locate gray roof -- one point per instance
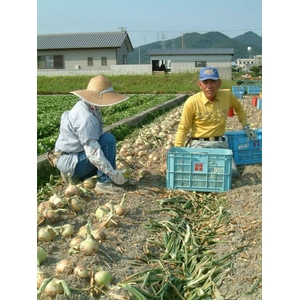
(199, 51)
(83, 40)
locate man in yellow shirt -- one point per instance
(204, 115)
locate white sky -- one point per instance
(150, 21)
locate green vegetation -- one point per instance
(180, 83)
(51, 107)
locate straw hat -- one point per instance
(99, 92)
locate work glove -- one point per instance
(119, 177)
(250, 133)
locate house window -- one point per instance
(50, 62)
(103, 61)
(90, 61)
(200, 64)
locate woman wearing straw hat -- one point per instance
(84, 149)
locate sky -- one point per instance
(150, 21)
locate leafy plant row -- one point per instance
(50, 108)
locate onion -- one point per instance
(40, 279)
(71, 189)
(51, 215)
(126, 173)
(46, 234)
(143, 173)
(82, 272)
(76, 241)
(67, 230)
(90, 245)
(119, 208)
(83, 231)
(40, 218)
(54, 287)
(101, 212)
(64, 266)
(41, 255)
(99, 234)
(112, 222)
(46, 205)
(55, 198)
(74, 203)
(89, 183)
(103, 278)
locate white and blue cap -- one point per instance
(208, 73)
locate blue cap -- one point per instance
(208, 73)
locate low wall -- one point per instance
(132, 121)
(109, 71)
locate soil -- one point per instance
(120, 251)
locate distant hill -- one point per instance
(194, 40)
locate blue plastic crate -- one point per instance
(199, 169)
(253, 89)
(245, 151)
(239, 95)
(238, 89)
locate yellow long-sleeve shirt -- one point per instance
(204, 119)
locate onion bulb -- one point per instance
(55, 198)
(119, 208)
(46, 205)
(143, 173)
(46, 234)
(90, 245)
(40, 279)
(64, 266)
(103, 278)
(126, 173)
(76, 241)
(41, 255)
(89, 183)
(74, 203)
(67, 230)
(54, 287)
(99, 234)
(82, 272)
(83, 231)
(71, 189)
(51, 215)
(101, 212)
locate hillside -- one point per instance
(207, 40)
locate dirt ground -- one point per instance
(124, 244)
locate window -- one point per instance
(50, 62)
(200, 64)
(90, 61)
(103, 61)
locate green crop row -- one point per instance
(50, 108)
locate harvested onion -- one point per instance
(103, 278)
(90, 245)
(55, 287)
(46, 234)
(41, 255)
(89, 183)
(64, 266)
(119, 208)
(71, 189)
(82, 272)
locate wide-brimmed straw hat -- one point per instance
(99, 92)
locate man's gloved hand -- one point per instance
(117, 177)
(250, 133)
